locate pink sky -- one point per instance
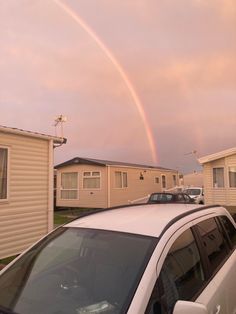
(179, 57)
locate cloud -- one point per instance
(179, 55)
(225, 8)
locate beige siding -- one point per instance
(231, 160)
(223, 196)
(24, 217)
(213, 195)
(207, 182)
(108, 195)
(138, 188)
(93, 198)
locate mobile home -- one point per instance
(219, 175)
(93, 183)
(26, 188)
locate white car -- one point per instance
(152, 259)
(196, 193)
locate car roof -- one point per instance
(145, 219)
(167, 193)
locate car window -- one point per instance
(180, 198)
(214, 243)
(230, 229)
(187, 198)
(77, 270)
(181, 276)
(161, 197)
(193, 192)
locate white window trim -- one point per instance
(4, 200)
(61, 189)
(100, 176)
(226, 182)
(122, 180)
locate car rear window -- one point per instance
(161, 197)
(193, 192)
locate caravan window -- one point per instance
(69, 185)
(92, 180)
(218, 178)
(3, 172)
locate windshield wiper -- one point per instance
(4, 310)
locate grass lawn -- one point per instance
(61, 219)
(7, 260)
(66, 215)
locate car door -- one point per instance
(218, 237)
(181, 273)
(179, 198)
(187, 198)
(194, 264)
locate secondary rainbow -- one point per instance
(119, 68)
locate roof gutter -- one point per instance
(56, 140)
(216, 156)
(59, 143)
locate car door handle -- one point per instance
(217, 309)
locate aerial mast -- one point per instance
(59, 120)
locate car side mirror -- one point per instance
(186, 307)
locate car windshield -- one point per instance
(77, 271)
(193, 191)
(161, 197)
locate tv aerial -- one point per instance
(59, 120)
(193, 152)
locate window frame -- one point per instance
(2, 200)
(157, 180)
(228, 173)
(122, 180)
(157, 289)
(224, 181)
(212, 272)
(190, 229)
(77, 189)
(165, 181)
(174, 177)
(231, 244)
(91, 177)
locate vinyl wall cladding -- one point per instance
(87, 198)
(24, 217)
(141, 183)
(223, 196)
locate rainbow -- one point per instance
(121, 71)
